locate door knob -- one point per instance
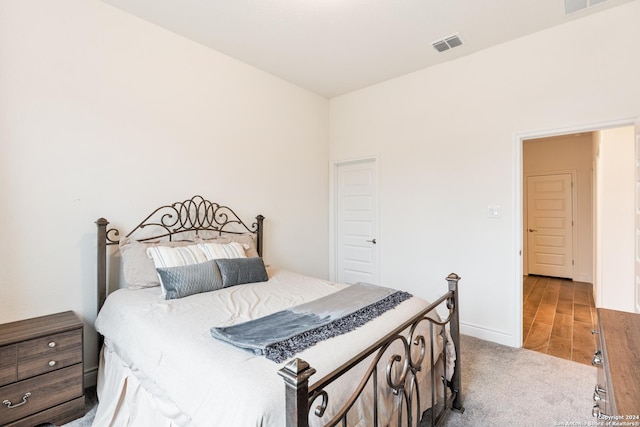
(531, 230)
(372, 241)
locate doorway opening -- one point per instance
(557, 301)
(565, 187)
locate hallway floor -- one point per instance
(558, 316)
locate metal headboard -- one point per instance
(195, 215)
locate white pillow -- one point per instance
(246, 240)
(164, 256)
(223, 250)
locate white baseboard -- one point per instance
(583, 278)
(498, 337)
(90, 377)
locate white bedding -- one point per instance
(165, 349)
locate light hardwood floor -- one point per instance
(558, 316)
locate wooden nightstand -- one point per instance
(41, 371)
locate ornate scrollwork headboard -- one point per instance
(194, 215)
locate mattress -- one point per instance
(161, 365)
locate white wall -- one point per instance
(447, 139)
(615, 222)
(103, 114)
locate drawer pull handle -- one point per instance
(52, 363)
(52, 344)
(10, 405)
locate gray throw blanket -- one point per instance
(281, 335)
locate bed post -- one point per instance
(102, 261)
(296, 375)
(260, 220)
(456, 381)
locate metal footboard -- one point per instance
(402, 370)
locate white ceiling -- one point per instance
(332, 47)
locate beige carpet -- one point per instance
(505, 386)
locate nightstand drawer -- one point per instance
(49, 353)
(8, 364)
(39, 393)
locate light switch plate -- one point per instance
(493, 212)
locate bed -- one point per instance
(169, 356)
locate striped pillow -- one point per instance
(164, 256)
(223, 250)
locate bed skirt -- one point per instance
(125, 399)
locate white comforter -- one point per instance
(199, 381)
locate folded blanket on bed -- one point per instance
(281, 335)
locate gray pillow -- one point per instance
(179, 282)
(138, 269)
(237, 271)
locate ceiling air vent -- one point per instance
(571, 6)
(447, 43)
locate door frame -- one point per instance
(517, 219)
(574, 207)
(637, 205)
(333, 211)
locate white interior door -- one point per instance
(357, 223)
(550, 225)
